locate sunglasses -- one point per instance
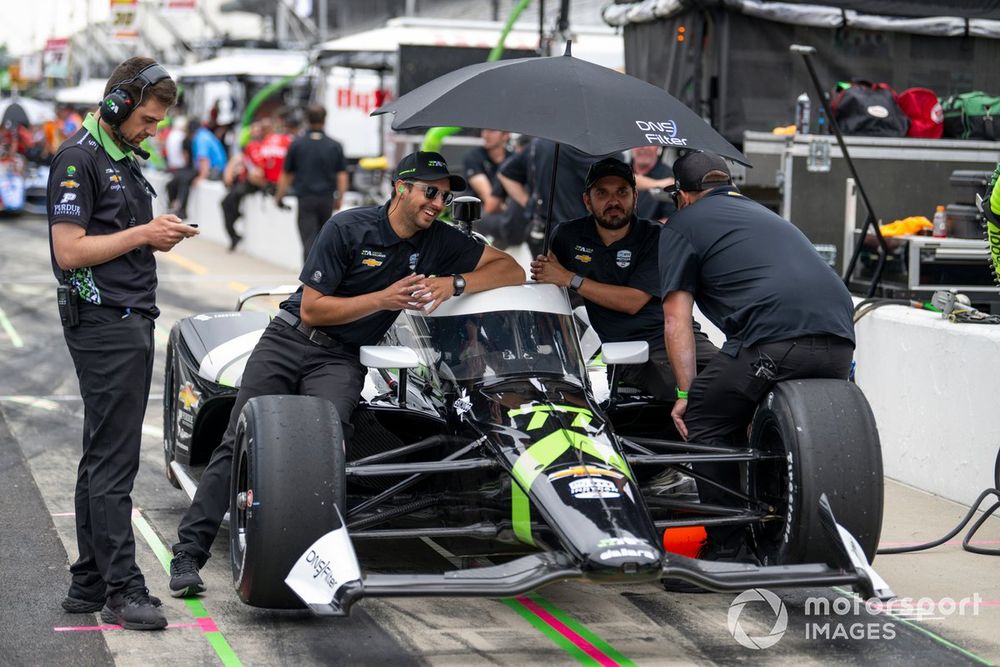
(674, 193)
(432, 191)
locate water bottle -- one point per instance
(940, 223)
(802, 114)
(821, 120)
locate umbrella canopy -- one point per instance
(24, 111)
(562, 98)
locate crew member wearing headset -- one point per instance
(102, 235)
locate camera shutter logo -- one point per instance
(777, 630)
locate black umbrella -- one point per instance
(562, 98)
(24, 111)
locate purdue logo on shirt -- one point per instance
(623, 258)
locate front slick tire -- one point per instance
(288, 478)
(824, 435)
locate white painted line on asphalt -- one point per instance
(6, 325)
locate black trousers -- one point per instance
(284, 362)
(656, 377)
(314, 211)
(723, 398)
(231, 208)
(179, 189)
(113, 355)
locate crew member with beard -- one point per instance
(609, 258)
(366, 265)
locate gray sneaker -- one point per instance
(133, 610)
(671, 482)
(184, 578)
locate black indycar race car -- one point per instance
(480, 422)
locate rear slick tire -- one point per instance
(824, 434)
(288, 478)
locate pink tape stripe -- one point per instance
(566, 632)
(102, 628)
(207, 624)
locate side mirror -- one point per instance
(391, 356)
(618, 354)
(632, 352)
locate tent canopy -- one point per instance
(250, 64)
(376, 49)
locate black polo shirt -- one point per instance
(648, 206)
(315, 160)
(93, 184)
(628, 262)
(752, 273)
(357, 252)
(477, 161)
(532, 167)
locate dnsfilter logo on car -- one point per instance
(739, 624)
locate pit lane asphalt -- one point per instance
(40, 421)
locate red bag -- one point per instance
(924, 110)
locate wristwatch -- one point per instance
(575, 282)
(459, 283)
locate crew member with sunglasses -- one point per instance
(610, 259)
(367, 264)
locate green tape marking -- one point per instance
(581, 630)
(11, 332)
(215, 639)
(555, 636)
(933, 635)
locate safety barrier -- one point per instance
(269, 233)
(931, 383)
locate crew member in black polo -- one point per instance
(758, 278)
(610, 259)
(646, 162)
(315, 165)
(367, 264)
(103, 235)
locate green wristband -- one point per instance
(681, 393)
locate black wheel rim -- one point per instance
(238, 513)
(768, 483)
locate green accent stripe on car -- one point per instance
(539, 456)
(520, 507)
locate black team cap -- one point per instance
(427, 166)
(609, 166)
(690, 171)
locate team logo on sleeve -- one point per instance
(66, 209)
(317, 276)
(71, 171)
(623, 258)
(67, 197)
(414, 258)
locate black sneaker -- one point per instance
(184, 578)
(74, 605)
(133, 610)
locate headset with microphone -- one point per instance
(119, 104)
